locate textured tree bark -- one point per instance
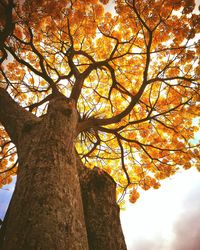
(100, 209)
(46, 210)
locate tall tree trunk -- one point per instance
(100, 209)
(46, 210)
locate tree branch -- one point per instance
(12, 116)
(8, 28)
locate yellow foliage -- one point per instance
(134, 74)
(134, 196)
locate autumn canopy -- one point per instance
(132, 69)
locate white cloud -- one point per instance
(187, 227)
(163, 218)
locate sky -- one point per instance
(167, 218)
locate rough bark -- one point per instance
(13, 117)
(46, 210)
(100, 209)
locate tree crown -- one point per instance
(132, 69)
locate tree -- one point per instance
(92, 102)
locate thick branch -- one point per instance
(8, 28)
(12, 116)
(9, 25)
